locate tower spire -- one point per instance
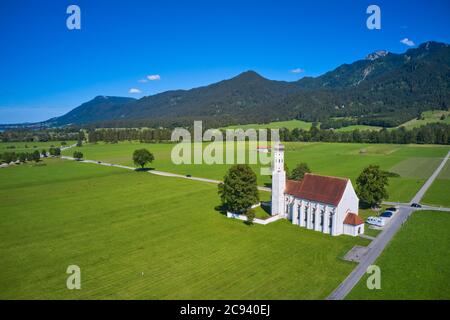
(278, 181)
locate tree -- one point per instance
(36, 156)
(251, 215)
(79, 143)
(239, 190)
(44, 153)
(63, 143)
(78, 155)
(371, 186)
(55, 152)
(142, 156)
(22, 157)
(299, 172)
(9, 157)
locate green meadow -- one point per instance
(290, 124)
(433, 116)
(428, 117)
(439, 192)
(415, 265)
(414, 163)
(136, 235)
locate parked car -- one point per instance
(387, 214)
(416, 205)
(376, 221)
(188, 176)
(392, 209)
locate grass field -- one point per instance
(429, 117)
(439, 192)
(291, 125)
(433, 116)
(414, 162)
(137, 235)
(359, 127)
(415, 265)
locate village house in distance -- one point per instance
(320, 203)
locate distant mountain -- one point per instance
(384, 89)
(100, 108)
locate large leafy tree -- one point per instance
(371, 186)
(239, 191)
(299, 172)
(142, 156)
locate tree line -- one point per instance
(8, 157)
(433, 133)
(142, 135)
(44, 135)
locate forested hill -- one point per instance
(384, 89)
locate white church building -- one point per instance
(321, 203)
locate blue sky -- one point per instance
(47, 70)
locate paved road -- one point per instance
(377, 245)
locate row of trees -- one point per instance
(43, 135)
(23, 157)
(116, 135)
(436, 133)
(8, 157)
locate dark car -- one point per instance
(188, 176)
(416, 205)
(386, 214)
(392, 209)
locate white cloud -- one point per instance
(407, 42)
(134, 90)
(142, 80)
(154, 77)
(297, 70)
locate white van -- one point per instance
(376, 221)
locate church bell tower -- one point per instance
(278, 181)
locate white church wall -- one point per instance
(349, 203)
(353, 230)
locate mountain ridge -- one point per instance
(383, 89)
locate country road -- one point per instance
(376, 246)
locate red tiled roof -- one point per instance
(353, 219)
(317, 188)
